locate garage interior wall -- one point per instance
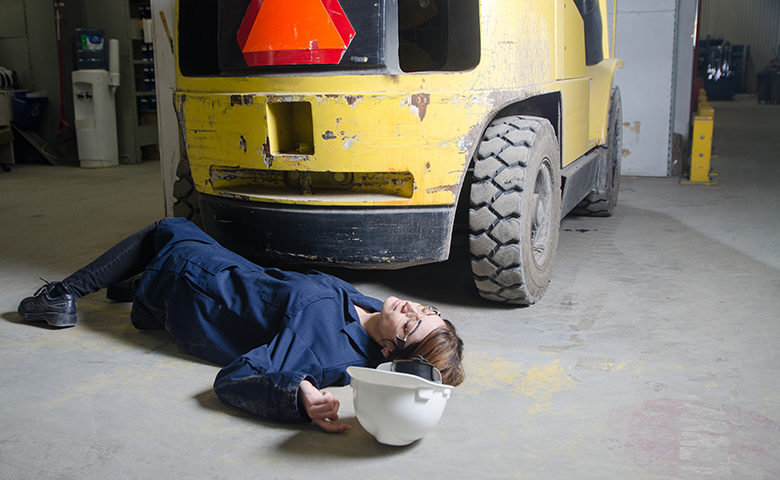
(646, 42)
(755, 23)
(28, 45)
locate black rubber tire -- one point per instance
(515, 210)
(602, 201)
(186, 203)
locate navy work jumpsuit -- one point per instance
(270, 329)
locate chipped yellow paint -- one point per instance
(428, 123)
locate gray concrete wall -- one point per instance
(28, 45)
(646, 41)
(13, 40)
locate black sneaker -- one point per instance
(50, 304)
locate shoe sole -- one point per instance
(53, 319)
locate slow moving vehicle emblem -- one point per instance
(274, 32)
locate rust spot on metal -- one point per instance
(328, 135)
(237, 196)
(635, 127)
(242, 144)
(351, 99)
(421, 101)
(304, 183)
(241, 100)
(218, 176)
(268, 158)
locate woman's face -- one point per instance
(405, 320)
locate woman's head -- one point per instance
(416, 330)
(402, 322)
(444, 349)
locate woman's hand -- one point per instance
(321, 407)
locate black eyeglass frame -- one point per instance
(431, 310)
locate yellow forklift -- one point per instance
(345, 132)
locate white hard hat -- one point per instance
(398, 408)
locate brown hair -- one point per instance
(443, 348)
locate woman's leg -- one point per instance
(122, 261)
(55, 302)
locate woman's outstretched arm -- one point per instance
(321, 407)
(279, 381)
(265, 381)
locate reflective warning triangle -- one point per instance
(274, 32)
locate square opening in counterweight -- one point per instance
(290, 128)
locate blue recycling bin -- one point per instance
(28, 108)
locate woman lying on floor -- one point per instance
(281, 336)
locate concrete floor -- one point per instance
(653, 355)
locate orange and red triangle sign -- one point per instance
(279, 32)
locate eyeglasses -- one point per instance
(424, 310)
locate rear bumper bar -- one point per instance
(380, 238)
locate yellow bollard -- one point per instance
(702, 98)
(701, 150)
(701, 144)
(705, 110)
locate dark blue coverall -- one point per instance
(271, 328)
